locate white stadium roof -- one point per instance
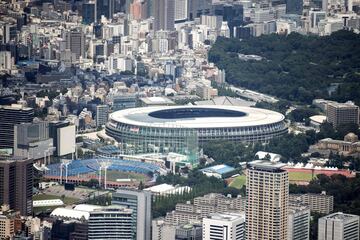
(252, 117)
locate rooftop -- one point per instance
(266, 165)
(339, 216)
(220, 169)
(226, 216)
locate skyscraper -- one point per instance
(9, 116)
(16, 184)
(139, 9)
(164, 14)
(140, 203)
(181, 10)
(89, 12)
(338, 226)
(267, 191)
(75, 41)
(105, 8)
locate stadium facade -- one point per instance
(182, 129)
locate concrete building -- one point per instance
(111, 222)
(320, 203)
(32, 140)
(338, 226)
(164, 14)
(181, 10)
(9, 117)
(140, 203)
(342, 113)
(267, 192)
(230, 226)
(299, 222)
(7, 224)
(161, 230)
(203, 206)
(6, 61)
(16, 184)
(75, 41)
(102, 115)
(63, 135)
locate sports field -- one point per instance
(238, 182)
(300, 176)
(114, 175)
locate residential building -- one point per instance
(7, 224)
(342, 113)
(9, 117)
(111, 222)
(299, 221)
(267, 191)
(203, 206)
(140, 203)
(102, 114)
(320, 203)
(338, 226)
(230, 226)
(16, 184)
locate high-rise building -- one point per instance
(299, 222)
(140, 203)
(111, 222)
(16, 184)
(9, 117)
(139, 9)
(75, 41)
(230, 226)
(267, 191)
(199, 7)
(181, 10)
(63, 135)
(338, 226)
(89, 12)
(32, 140)
(342, 113)
(102, 114)
(105, 8)
(6, 61)
(164, 14)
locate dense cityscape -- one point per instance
(179, 119)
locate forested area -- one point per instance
(294, 67)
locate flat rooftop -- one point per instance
(267, 165)
(339, 216)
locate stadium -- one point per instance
(182, 129)
(118, 171)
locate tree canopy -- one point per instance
(294, 67)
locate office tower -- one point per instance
(89, 13)
(32, 140)
(199, 7)
(315, 17)
(267, 191)
(320, 203)
(294, 6)
(140, 203)
(63, 135)
(9, 116)
(111, 222)
(102, 114)
(342, 113)
(164, 14)
(75, 41)
(299, 221)
(105, 8)
(181, 10)
(139, 9)
(230, 226)
(16, 184)
(338, 226)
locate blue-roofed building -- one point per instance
(219, 171)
